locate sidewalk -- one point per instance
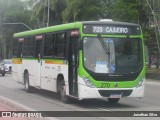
(153, 74)
(9, 105)
(3, 108)
(152, 80)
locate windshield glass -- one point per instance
(112, 55)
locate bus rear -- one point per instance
(111, 61)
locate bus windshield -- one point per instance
(112, 55)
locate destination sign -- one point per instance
(111, 29)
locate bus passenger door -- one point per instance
(73, 63)
(38, 51)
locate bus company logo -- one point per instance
(116, 85)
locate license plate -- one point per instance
(115, 96)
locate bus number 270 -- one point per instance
(105, 85)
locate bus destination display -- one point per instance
(109, 29)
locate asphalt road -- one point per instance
(42, 100)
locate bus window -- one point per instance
(49, 45)
(15, 48)
(60, 45)
(28, 47)
(18, 47)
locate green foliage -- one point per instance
(34, 13)
(11, 12)
(149, 33)
(40, 11)
(80, 10)
(123, 10)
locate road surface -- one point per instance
(42, 100)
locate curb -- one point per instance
(14, 106)
(152, 82)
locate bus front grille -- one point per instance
(108, 93)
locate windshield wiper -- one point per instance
(106, 47)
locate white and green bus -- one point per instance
(82, 60)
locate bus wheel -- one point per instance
(64, 98)
(113, 100)
(27, 86)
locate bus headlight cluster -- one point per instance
(87, 82)
(141, 82)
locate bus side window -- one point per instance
(28, 47)
(49, 50)
(61, 40)
(20, 49)
(15, 48)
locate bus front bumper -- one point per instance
(86, 92)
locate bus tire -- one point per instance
(113, 100)
(64, 98)
(28, 88)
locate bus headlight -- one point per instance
(141, 82)
(87, 82)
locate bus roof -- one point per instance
(109, 22)
(48, 29)
(69, 26)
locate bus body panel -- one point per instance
(43, 72)
(86, 92)
(49, 73)
(48, 76)
(31, 69)
(20, 75)
(17, 72)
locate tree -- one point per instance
(11, 12)
(64, 11)
(40, 10)
(80, 10)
